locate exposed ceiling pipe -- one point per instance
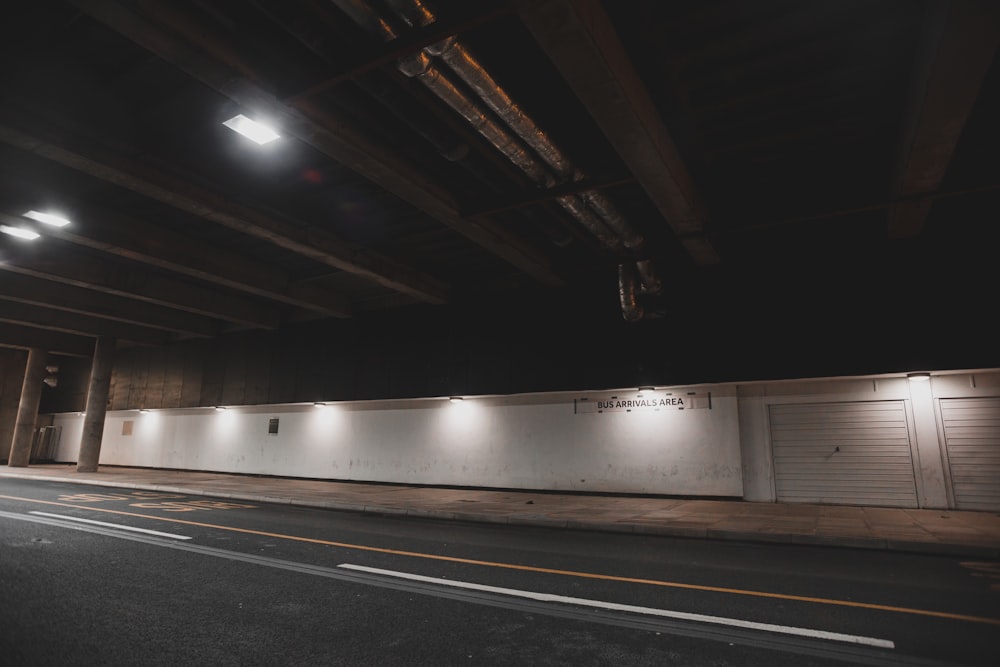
(472, 72)
(628, 293)
(649, 279)
(592, 209)
(422, 67)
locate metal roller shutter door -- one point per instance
(843, 453)
(972, 438)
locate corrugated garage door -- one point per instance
(972, 436)
(843, 453)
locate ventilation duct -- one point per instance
(593, 210)
(628, 292)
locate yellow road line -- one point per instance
(543, 570)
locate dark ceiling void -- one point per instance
(654, 162)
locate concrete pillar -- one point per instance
(27, 409)
(97, 405)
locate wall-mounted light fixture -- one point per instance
(454, 399)
(319, 404)
(918, 377)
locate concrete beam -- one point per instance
(154, 245)
(26, 337)
(228, 74)
(959, 44)
(14, 312)
(582, 43)
(121, 280)
(71, 299)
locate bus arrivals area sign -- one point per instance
(644, 401)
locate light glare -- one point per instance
(19, 232)
(251, 129)
(47, 218)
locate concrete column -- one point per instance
(27, 409)
(97, 405)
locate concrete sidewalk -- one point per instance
(971, 534)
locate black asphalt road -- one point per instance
(258, 584)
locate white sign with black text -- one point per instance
(644, 401)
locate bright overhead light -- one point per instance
(47, 218)
(19, 232)
(454, 399)
(919, 377)
(319, 405)
(251, 129)
(219, 408)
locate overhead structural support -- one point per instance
(581, 42)
(97, 405)
(27, 409)
(959, 44)
(147, 180)
(154, 245)
(184, 42)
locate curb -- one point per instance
(652, 530)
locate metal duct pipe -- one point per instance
(421, 67)
(471, 71)
(650, 280)
(628, 293)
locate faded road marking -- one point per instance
(116, 526)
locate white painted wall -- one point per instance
(530, 442)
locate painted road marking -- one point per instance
(116, 526)
(849, 653)
(649, 611)
(543, 570)
(174, 502)
(989, 570)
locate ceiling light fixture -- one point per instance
(46, 218)
(251, 129)
(918, 377)
(454, 399)
(219, 408)
(19, 232)
(319, 405)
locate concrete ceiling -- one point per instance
(544, 147)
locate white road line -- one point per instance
(650, 611)
(117, 526)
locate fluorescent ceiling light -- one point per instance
(251, 129)
(47, 218)
(919, 377)
(19, 232)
